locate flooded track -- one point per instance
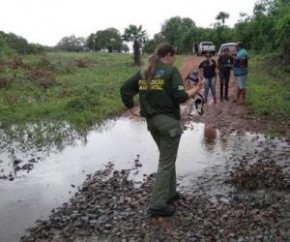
(56, 177)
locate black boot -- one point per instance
(174, 198)
(162, 212)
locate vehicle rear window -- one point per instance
(207, 43)
(232, 48)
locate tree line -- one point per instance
(266, 30)
(12, 44)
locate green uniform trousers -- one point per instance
(166, 132)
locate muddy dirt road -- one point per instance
(227, 116)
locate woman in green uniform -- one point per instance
(161, 91)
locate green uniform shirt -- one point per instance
(163, 95)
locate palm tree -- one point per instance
(138, 37)
(222, 16)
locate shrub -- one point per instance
(16, 63)
(43, 77)
(46, 82)
(82, 63)
(4, 82)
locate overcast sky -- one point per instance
(47, 21)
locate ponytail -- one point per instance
(154, 61)
(150, 68)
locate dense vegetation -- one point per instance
(11, 44)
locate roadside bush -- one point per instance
(16, 63)
(4, 82)
(43, 77)
(82, 63)
(2, 64)
(46, 82)
(5, 50)
(44, 63)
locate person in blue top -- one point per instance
(240, 70)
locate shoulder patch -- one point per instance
(159, 72)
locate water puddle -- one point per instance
(56, 174)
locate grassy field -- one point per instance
(83, 88)
(268, 90)
(80, 88)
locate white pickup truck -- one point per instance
(206, 46)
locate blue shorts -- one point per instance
(241, 81)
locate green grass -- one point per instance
(269, 88)
(268, 92)
(79, 88)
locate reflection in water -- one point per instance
(21, 146)
(210, 136)
(76, 154)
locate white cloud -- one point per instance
(47, 21)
